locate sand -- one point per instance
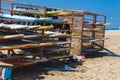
(98, 67)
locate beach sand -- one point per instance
(94, 68)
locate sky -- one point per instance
(110, 8)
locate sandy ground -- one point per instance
(98, 67)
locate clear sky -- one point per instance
(110, 8)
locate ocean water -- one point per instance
(112, 28)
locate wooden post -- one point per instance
(104, 30)
(12, 9)
(94, 21)
(78, 24)
(93, 33)
(44, 23)
(72, 21)
(81, 43)
(71, 28)
(44, 11)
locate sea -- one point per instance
(112, 28)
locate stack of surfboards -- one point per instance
(22, 36)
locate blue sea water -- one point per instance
(112, 28)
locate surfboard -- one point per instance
(63, 35)
(63, 42)
(61, 57)
(106, 24)
(88, 24)
(87, 39)
(37, 12)
(56, 49)
(34, 36)
(23, 18)
(12, 26)
(22, 61)
(43, 27)
(93, 29)
(19, 26)
(2, 25)
(90, 50)
(47, 12)
(63, 13)
(39, 27)
(102, 24)
(12, 37)
(93, 40)
(33, 26)
(5, 64)
(56, 20)
(98, 39)
(96, 29)
(16, 26)
(58, 34)
(22, 44)
(98, 24)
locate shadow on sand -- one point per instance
(100, 54)
(37, 72)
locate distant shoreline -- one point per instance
(115, 28)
